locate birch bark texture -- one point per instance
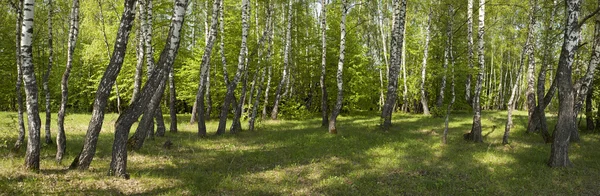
(150, 95)
(397, 39)
(61, 140)
(85, 157)
(19, 81)
(424, 65)
(204, 65)
(340, 70)
(286, 62)
(324, 109)
(559, 154)
(32, 154)
(475, 134)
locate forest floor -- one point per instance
(297, 157)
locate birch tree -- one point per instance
(47, 74)
(32, 154)
(559, 155)
(151, 92)
(530, 93)
(204, 65)
(61, 140)
(450, 56)
(469, 50)
(240, 69)
(84, 159)
(475, 134)
(18, 83)
(424, 65)
(340, 80)
(397, 39)
(324, 110)
(286, 62)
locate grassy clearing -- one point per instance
(297, 157)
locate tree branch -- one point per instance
(588, 17)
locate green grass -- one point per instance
(297, 157)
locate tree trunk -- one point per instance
(584, 85)
(240, 69)
(47, 74)
(475, 134)
(32, 155)
(397, 40)
(589, 111)
(212, 34)
(511, 106)
(559, 156)
(424, 66)
(84, 159)
(151, 93)
(19, 61)
(340, 80)
(403, 64)
(450, 55)
(286, 62)
(139, 53)
(61, 140)
(469, 50)
(324, 110)
(530, 93)
(172, 101)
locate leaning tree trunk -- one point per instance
(269, 64)
(286, 62)
(450, 55)
(18, 84)
(139, 54)
(511, 105)
(469, 50)
(559, 156)
(324, 110)
(424, 66)
(240, 69)
(61, 140)
(32, 155)
(340, 80)
(47, 74)
(530, 93)
(84, 159)
(538, 119)
(584, 84)
(475, 134)
(212, 34)
(397, 38)
(151, 92)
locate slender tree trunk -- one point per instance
(19, 61)
(475, 134)
(212, 34)
(324, 109)
(240, 69)
(530, 93)
(151, 93)
(469, 50)
(286, 62)
(139, 53)
(340, 80)
(450, 55)
(424, 66)
(397, 40)
(47, 74)
(172, 101)
(511, 106)
(589, 119)
(103, 27)
(61, 140)
(194, 116)
(84, 159)
(403, 64)
(32, 155)
(256, 101)
(559, 156)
